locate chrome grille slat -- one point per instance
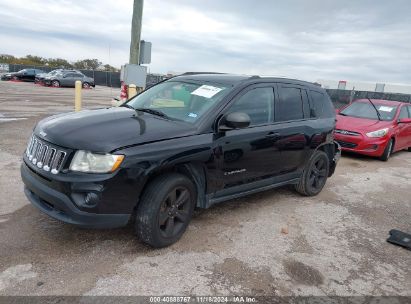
(45, 156)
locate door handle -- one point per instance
(273, 135)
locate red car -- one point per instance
(374, 127)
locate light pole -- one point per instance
(136, 32)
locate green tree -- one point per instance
(87, 64)
(59, 63)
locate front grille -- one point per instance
(44, 155)
(346, 132)
(346, 144)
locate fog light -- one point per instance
(91, 199)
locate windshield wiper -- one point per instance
(376, 110)
(152, 111)
(126, 105)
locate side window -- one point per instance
(78, 75)
(290, 106)
(403, 113)
(258, 103)
(68, 75)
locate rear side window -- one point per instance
(290, 106)
(321, 106)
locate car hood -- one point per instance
(105, 130)
(360, 124)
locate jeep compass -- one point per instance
(189, 142)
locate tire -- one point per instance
(55, 83)
(388, 150)
(86, 85)
(315, 175)
(159, 221)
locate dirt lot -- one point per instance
(273, 243)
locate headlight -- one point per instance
(378, 133)
(84, 161)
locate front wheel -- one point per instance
(55, 83)
(314, 175)
(387, 151)
(165, 210)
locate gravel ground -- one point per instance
(272, 243)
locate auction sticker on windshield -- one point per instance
(206, 91)
(386, 109)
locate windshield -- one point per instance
(180, 100)
(364, 109)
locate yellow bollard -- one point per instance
(132, 90)
(77, 96)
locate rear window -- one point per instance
(321, 106)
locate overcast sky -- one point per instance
(305, 39)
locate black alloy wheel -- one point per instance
(314, 175)
(174, 212)
(165, 209)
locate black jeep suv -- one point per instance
(191, 141)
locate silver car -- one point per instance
(68, 79)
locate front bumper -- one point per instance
(59, 206)
(362, 144)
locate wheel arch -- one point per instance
(193, 171)
(329, 149)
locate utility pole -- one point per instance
(136, 31)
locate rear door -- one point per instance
(291, 114)
(66, 79)
(77, 76)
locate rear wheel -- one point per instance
(86, 85)
(387, 151)
(315, 175)
(55, 83)
(165, 210)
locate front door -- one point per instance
(404, 129)
(250, 154)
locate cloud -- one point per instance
(355, 40)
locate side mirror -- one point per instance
(235, 120)
(404, 120)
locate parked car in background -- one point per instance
(68, 79)
(192, 141)
(374, 127)
(42, 76)
(23, 75)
